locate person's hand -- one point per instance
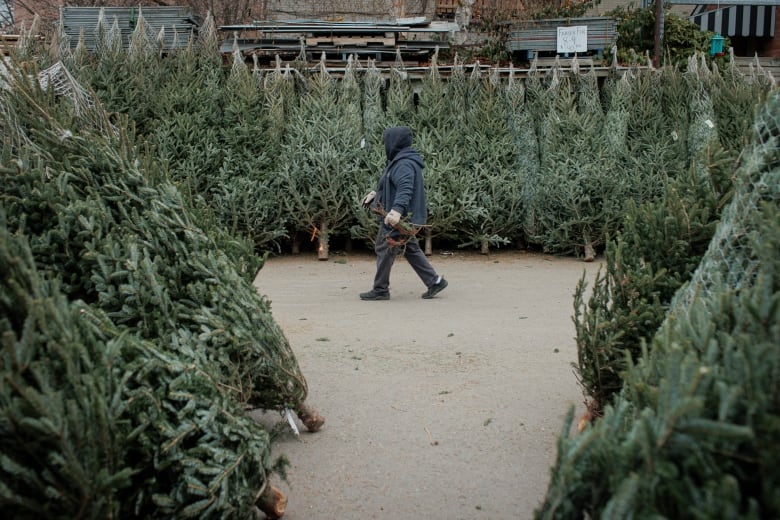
(368, 199)
(392, 218)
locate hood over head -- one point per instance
(396, 138)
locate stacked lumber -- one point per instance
(7, 43)
(415, 39)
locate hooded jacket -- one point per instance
(401, 185)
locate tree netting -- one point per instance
(682, 161)
(731, 261)
(694, 432)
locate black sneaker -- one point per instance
(373, 295)
(435, 289)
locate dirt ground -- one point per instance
(447, 408)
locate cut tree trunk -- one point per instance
(590, 252)
(272, 501)
(592, 412)
(484, 247)
(323, 249)
(310, 418)
(428, 242)
(296, 244)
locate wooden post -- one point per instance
(659, 33)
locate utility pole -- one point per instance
(659, 33)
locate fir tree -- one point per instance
(491, 158)
(439, 136)
(578, 195)
(122, 238)
(373, 156)
(658, 247)
(243, 197)
(734, 98)
(321, 157)
(400, 96)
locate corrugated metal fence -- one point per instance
(542, 35)
(178, 24)
(6, 14)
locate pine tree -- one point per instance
(243, 196)
(439, 136)
(373, 156)
(62, 452)
(658, 247)
(577, 198)
(657, 130)
(490, 156)
(735, 98)
(400, 96)
(123, 239)
(702, 132)
(318, 171)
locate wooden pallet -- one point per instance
(446, 8)
(350, 41)
(546, 63)
(768, 64)
(7, 43)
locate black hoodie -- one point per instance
(401, 186)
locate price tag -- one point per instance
(572, 39)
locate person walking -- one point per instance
(401, 193)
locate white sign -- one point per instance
(572, 39)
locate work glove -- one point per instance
(392, 218)
(368, 199)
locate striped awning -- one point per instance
(738, 20)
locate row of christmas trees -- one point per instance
(572, 164)
(133, 339)
(550, 161)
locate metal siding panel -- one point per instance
(178, 22)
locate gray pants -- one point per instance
(385, 257)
